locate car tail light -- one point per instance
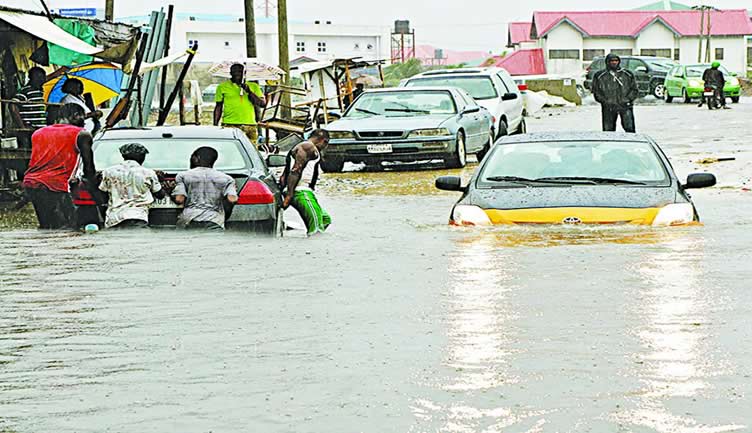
(522, 87)
(255, 192)
(82, 197)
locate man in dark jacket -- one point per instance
(713, 77)
(615, 89)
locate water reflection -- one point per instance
(677, 360)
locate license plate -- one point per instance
(379, 148)
(164, 203)
(708, 93)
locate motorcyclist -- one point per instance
(713, 77)
(616, 90)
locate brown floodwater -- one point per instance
(393, 321)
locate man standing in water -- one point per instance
(299, 181)
(616, 90)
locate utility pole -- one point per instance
(707, 35)
(704, 31)
(109, 10)
(284, 54)
(250, 30)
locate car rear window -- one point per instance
(172, 155)
(478, 87)
(695, 71)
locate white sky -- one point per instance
(448, 24)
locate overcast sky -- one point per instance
(448, 24)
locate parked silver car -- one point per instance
(408, 125)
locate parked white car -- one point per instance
(492, 88)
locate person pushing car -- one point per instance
(616, 90)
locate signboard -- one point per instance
(77, 12)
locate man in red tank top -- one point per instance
(54, 153)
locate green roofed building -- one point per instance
(665, 5)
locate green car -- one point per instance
(686, 81)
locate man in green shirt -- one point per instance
(236, 101)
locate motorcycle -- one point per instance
(712, 95)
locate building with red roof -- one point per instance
(570, 40)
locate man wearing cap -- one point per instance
(616, 90)
(236, 102)
(131, 187)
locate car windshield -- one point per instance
(696, 71)
(630, 162)
(478, 87)
(171, 155)
(402, 104)
(660, 66)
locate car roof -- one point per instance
(158, 132)
(636, 57)
(460, 71)
(580, 136)
(413, 89)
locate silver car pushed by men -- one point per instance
(409, 125)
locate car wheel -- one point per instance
(503, 129)
(459, 158)
(332, 165)
(685, 95)
(735, 99)
(483, 152)
(522, 129)
(659, 90)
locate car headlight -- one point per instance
(433, 132)
(465, 215)
(341, 135)
(733, 81)
(695, 83)
(675, 214)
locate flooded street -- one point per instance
(393, 321)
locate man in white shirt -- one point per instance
(132, 188)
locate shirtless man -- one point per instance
(299, 181)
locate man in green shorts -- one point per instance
(299, 181)
(236, 101)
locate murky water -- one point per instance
(393, 321)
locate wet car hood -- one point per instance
(381, 123)
(576, 196)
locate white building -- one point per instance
(223, 38)
(570, 40)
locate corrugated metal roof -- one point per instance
(519, 32)
(733, 22)
(524, 62)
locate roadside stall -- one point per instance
(58, 45)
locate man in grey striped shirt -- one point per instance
(31, 113)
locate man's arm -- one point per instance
(156, 187)
(179, 193)
(634, 91)
(594, 87)
(255, 99)
(231, 192)
(302, 156)
(218, 113)
(16, 113)
(84, 143)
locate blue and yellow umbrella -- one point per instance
(102, 80)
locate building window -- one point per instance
(227, 44)
(300, 47)
(370, 47)
(677, 54)
(589, 55)
(622, 51)
(192, 42)
(749, 56)
(719, 53)
(322, 47)
(356, 47)
(564, 54)
(656, 52)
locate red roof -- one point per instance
(519, 32)
(630, 23)
(524, 62)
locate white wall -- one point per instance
(735, 52)
(340, 40)
(656, 36)
(563, 37)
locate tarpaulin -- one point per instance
(44, 29)
(65, 57)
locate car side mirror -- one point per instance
(700, 180)
(276, 161)
(449, 183)
(471, 110)
(733, 74)
(509, 96)
(641, 69)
